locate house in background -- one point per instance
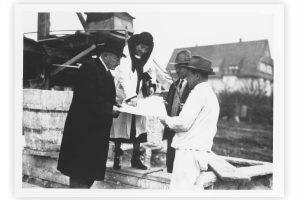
(238, 66)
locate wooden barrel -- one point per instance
(44, 115)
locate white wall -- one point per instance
(233, 83)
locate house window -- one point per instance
(269, 69)
(233, 69)
(216, 69)
(230, 82)
(265, 68)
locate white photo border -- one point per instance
(277, 10)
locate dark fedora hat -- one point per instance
(111, 46)
(183, 57)
(200, 64)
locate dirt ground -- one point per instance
(244, 141)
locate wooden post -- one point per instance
(82, 21)
(43, 33)
(43, 25)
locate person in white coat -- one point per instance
(134, 80)
(195, 127)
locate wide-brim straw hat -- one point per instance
(182, 57)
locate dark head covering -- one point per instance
(138, 64)
(142, 38)
(201, 64)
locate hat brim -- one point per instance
(209, 72)
(101, 48)
(175, 63)
(114, 52)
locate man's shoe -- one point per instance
(118, 153)
(117, 163)
(136, 160)
(137, 163)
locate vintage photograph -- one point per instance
(167, 98)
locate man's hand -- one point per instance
(115, 112)
(151, 90)
(162, 119)
(133, 102)
(181, 106)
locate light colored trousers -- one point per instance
(188, 169)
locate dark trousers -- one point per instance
(170, 155)
(76, 182)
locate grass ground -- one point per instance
(244, 141)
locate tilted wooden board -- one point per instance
(224, 170)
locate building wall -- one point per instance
(234, 83)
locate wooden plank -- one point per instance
(242, 161)
(67, 66)
(257, 170)
(224, 170)
(74, 59)
(82, 20)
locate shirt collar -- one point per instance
(203, 84)
(103, 63)
(138, 57)
(182, 80)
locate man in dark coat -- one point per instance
(85, 141)
(176, 97)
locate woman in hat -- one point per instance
(134, 78)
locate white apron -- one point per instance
(126, 83)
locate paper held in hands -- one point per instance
(151, 106)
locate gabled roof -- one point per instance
(97, 16)
(245, 55)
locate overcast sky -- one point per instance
(176, 30)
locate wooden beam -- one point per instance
(67, 66)
(74, 59)
(242, 161)
(82, 20)
(224, 170)
(257, 170)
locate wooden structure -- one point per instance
(53, 60)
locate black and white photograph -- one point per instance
(151, 100)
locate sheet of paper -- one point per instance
(150, 106)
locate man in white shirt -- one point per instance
(195, 127)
